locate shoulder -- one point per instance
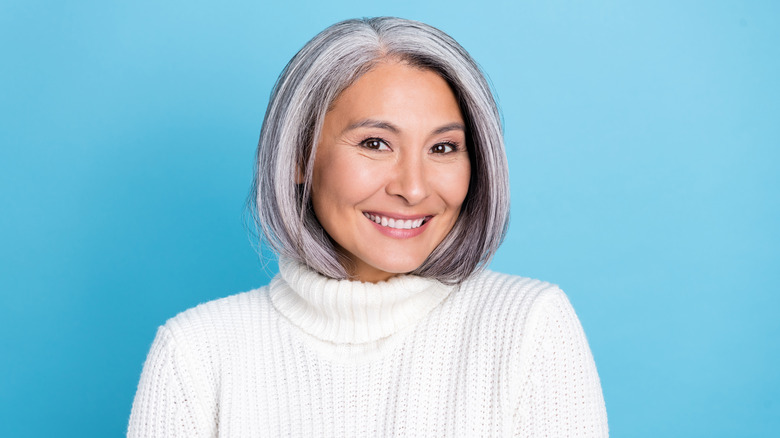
(214, 323)
(497, 282)
(509, 297)
(508, 307)
(231, 307)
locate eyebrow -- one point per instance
(371, 123)
(455, 126)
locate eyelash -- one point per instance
(365, 143)
(453, 146)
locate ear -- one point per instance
(300, 177)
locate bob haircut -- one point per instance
(280, 201)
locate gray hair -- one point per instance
(303, 93)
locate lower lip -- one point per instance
(396, 233)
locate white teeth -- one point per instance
(398, 224)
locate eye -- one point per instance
(376, 144)
(444, 148)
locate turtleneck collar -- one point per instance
(352, 312)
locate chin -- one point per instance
(398, 266)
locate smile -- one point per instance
(397, 223)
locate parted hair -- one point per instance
(333, 60)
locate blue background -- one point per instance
(643, 144)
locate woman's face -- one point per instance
(391, 169)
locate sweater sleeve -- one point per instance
(560, 393)
(167, 403)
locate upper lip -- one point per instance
(398, 216)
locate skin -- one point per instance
(393, 143)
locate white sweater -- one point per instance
(311, 356)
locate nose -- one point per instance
(409, 180)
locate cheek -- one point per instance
(454, 184)
(341, 181)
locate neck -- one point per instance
(354, 312)
(358, 270)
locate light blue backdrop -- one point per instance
(643, 143)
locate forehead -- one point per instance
(398, 90)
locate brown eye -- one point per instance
(443, 148)
(376, 144)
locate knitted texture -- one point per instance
(497, 355)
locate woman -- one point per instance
(382, 184)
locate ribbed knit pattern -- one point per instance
(311, 356)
